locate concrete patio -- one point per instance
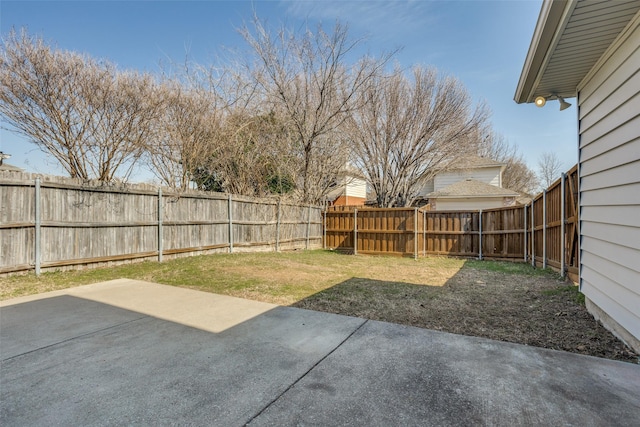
(131, 352)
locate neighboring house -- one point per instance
(591, 50)
(475, 183)
(477, 168)
(470, 194)
(350, 189)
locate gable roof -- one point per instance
(475, 162)
(471, 188)
(569, 39)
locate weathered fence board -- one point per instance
(571, 235)
(451, 233)
(396, 231)
(503, 233)
(88, 223)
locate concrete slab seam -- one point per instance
(268, 405)
(73, 338)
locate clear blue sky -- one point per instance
(483, 43)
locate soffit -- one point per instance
(578, 33)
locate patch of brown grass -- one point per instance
(532, 309)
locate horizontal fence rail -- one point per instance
(543, 232)
(53, 223)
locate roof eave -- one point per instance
(551, 22)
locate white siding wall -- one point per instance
(428, 188)
(355, 187)
(486, 175)
(609, 127)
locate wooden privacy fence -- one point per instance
(544, 232)
(417, 232)
(53, 222)
(554, 240)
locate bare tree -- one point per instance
(91, 118)
(253, 159)
(517, 176)
(185, 135)
(306, 79)
(409, 128)
(549, 168)
(218, 132)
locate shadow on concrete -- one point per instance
(71, 361)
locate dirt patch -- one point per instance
(541, 311)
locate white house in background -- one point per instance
(475, 183)
(350, 189)
(590, 49)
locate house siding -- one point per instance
(486, 175)
(428, 188)
(609, 158)
(355, 187)
(348, 187)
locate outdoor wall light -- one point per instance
(540, 101)
(563, 104)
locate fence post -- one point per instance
(424, 233)
(525, 233)
(324, 227)
(37, 232)
(415, 233)
(355, 231)
(229, 215)
(160, 232)
(278, 226)
(480, 235)
(306, 246)
(544, 228)
(563, 216)
(533, 234)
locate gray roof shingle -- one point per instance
(472, 188)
